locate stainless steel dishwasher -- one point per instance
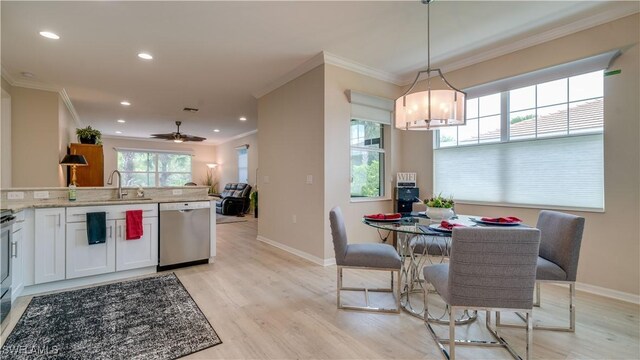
(184, 234)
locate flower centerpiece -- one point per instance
(439, 208)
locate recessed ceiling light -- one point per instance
(242, 118)
(216, 130)
(125, 103)
(121, 121)
(49, 35)
(145, 56)
(118, 132)
(27, 74)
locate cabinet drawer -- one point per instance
(114, 212)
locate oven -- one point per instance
(6, 221)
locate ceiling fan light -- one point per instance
(177, 140)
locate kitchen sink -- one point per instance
(131, 199)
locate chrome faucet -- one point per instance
(110, 182)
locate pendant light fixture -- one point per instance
(429, 109)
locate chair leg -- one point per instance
(339, 287)
(536, 303)
(572, 307)
(572, 313)
(398, 294)
(452, 333)
(529, 334)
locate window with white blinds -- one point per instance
(540, 145)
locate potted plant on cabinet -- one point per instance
(89, 135)
(254, 203)
(439, 208)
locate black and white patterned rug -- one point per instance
(150, 318)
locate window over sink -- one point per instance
(149, 168)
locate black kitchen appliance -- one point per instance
(6, 221)
(405, 197)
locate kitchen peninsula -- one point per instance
(50, 250)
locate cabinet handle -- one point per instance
(14, 249)
(119, 231)
(59, 216)
(110, 232)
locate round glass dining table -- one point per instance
(422, 241)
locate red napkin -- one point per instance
(383, 216)
(506, 220)
(134, 224)
(449, 226)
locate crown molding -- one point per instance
(324, 57)
(359, 68)
(45, 87)
(236, 137)
(582, 24)
(7, 76)
(67, 101)
(306, 66)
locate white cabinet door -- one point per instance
(86, 260)
(17, 262)
(143, 252)
(49, 245)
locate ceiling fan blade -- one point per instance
(164, 136)
(192, 138)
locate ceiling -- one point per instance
(215, 55)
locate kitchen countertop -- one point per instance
(54, 203)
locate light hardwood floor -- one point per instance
(265, 303)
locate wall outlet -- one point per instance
(15, 195)
(309, 179)
(177, 192)
(294, 219)
(40, 194)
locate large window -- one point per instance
(367, 159)
(243, 165)
(153, 168)
(539, 145)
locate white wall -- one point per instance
(227, 160)
(203, 154)
(5, 136)
(290, 134)
(337, 155)
(35, 147)
(611, 244)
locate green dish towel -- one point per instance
(97, 227)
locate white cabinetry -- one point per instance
(143, 252)
(117, 253)
(49, 254)
(17, 255)
(84, 259)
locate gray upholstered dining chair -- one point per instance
(560, 240)
(380, 257)
(488, 269)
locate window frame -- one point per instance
(384, 134)
(155, 173)
(239, 152)
(505, 137)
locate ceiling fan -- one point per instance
(177, 136)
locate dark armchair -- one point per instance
(234, 199)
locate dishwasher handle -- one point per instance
(186, 210)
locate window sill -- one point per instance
(369, 199)
(525, 206)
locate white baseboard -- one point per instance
(85, 281)
(314, 259)
(610, 293)
(605, 292)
